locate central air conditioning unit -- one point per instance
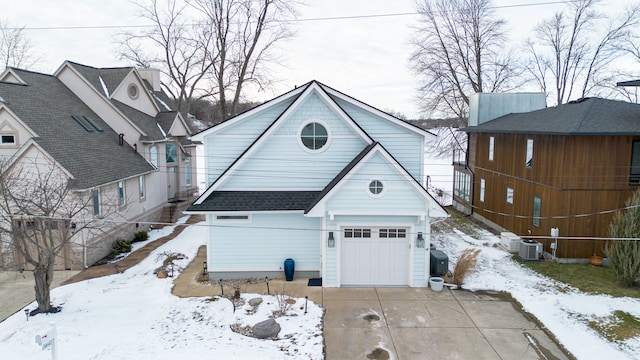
(530, 250)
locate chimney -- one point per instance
(121, 139)
(152, 76)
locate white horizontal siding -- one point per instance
(265, 243)
(258, 123)
(281, 163)
(399, 193)
(221, 152)
(403, 144)
(223, 147)
(330, 276)
(421, 256)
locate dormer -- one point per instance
(13, 132)
(132, 92)
(10, 76)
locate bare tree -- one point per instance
(570, 55)
(15, 46)
(39, 216)
(212, 48)
(246, 32)
(459, 50)
(176, 44)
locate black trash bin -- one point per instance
(289, 269)
(439, 263)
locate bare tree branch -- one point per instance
(566, 54)
(37, 210)
(459, 50)
(15, 46)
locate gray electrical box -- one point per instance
(439, 263)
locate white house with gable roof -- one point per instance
(319, 177)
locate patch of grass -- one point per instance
(618, 327)
(586, 278)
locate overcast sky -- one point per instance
(364, 57)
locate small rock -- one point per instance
(266, 329)
(162, 274)
(255, 301)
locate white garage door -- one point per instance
(374, 256)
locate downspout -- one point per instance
(84, 245)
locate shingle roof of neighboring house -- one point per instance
(112, 78)
(146, 123)
(589, 116)
(256, 201)
(94, 158)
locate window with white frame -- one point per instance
(187, 174)
(244, 218)
(529, 159)
(357, 233)
(122, 200)
(314, 136)
(510, 195)
(95, 194)
(7, 139)
(491, 147)
(171, 153)
(153, 156)
(141, 188)
(482, 187)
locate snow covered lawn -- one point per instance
(133, 315)
(564, 310)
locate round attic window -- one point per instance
(376, 188)
(314, 136)
(133, 91)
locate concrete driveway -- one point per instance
(409, 323)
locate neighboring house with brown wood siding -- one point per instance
(567, 167)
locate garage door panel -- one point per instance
(368, 259)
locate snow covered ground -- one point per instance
(564, 310)
(133, 315)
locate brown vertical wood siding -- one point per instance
(576, 177)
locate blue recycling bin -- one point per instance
(289, 269)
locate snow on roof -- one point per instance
(104, 86)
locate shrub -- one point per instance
(140, 236)
(624, 255)
(466, 262)
(120, 246)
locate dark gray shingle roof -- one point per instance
(589, 116)
(256, 201)
(144, 122)
(94, 158)
(112, 77)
